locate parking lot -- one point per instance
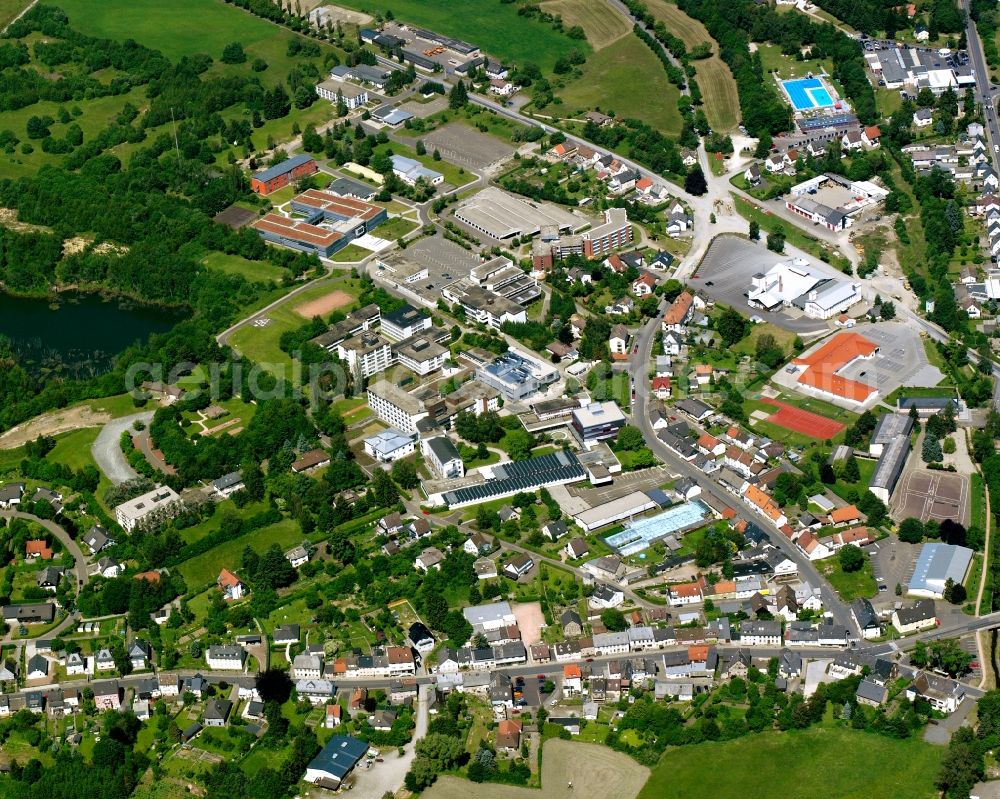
(923, 494)
(892, 563)
(725, 273)
(467, 147)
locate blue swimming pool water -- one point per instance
(639, 534)
(807, 93)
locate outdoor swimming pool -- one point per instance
(807, 94)
(641, 533)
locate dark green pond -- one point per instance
(79, 334)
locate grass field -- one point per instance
(622, 78)
(722, 104)
(849, 585)
(254, 271)
(204, 569)
(494, 26)
(781, 763)
(260, 344)
(602, 772)
(602, 24)
(184, 27)
(350, 254)
(395, 227)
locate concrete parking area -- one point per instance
(892, 563)
(725, 273)
(467, 147)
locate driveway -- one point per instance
(107, 452)
(387, 777)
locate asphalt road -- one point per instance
(640, 417)
(108, 453)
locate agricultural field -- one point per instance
(779, 763)
(718, 87)
(602, 24)
(494, 26)
(254, 271)
(622, 78)
(10, 9)
(606, 774)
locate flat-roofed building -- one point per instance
(607, 513)
(613, 233)
(395, 407)
(482, 305)
(336, 90)
(502, 215)
(161, 499)
(405, 322)
(516, 376)
(420, 354)
(366, 354)
(597, 421)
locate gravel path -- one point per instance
(108, 454)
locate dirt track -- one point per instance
(50, 424)
(323, 305)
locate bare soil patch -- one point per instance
(51, 424)
(324, 305)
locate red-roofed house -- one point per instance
(37, 548)
(678, 313)
(615, 264)
(871, 136)
(661, 387)
(812, 547)
(572, 678)
(763, 503)
(149, 577)
(563, 150)
(687, 593)
(333, 716)
(231, 585)
(508, 736)
(643, 285)
(644, 184)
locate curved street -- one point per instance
(107, 451)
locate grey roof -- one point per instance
(227, 481)
(443, 448)
(218, 709)
(285, 166)
(864, 613)
(922, 610)
(937, 563)
(872, 691)
(339, 756)
(890, 463)
(891, 426)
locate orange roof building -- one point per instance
(848, 514)
(571, 671)
(698, 654)
(763, 502)
(38, 549)
(819, 370)
(679, 309)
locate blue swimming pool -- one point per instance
(641, 533)
(807, 94)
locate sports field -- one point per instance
(800, 421)
(494, 26)
(722, 104)
(570, 769)
(599, 20)
(781, 763)
(627, 78)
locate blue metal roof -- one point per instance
(339, 756)
(283, 167)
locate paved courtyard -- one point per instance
(467, 147)
(925, 494)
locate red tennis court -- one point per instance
(804, 422)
